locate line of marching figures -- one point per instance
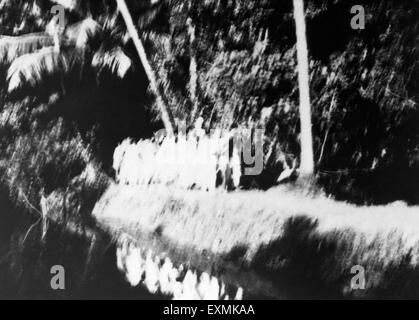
(162, 277)
(192, 161)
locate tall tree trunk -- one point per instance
(306, 138)
(166, 114)
(193, 66)
(193, 69)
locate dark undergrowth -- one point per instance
(26, 260)
(321, 264)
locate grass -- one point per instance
(278, 243)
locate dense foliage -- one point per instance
(233, 62)
(363, 86)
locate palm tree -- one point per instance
(166, 114)
(306, 139)
(34, 55)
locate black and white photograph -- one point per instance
(224, 150)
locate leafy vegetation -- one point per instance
(69, 96)
(234, 63)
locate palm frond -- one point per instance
(3, 3)
(115, 60)
(150, 15)
(109, 21)
(14, 47)
(32, 67)
(113, 31)
(79, 33)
